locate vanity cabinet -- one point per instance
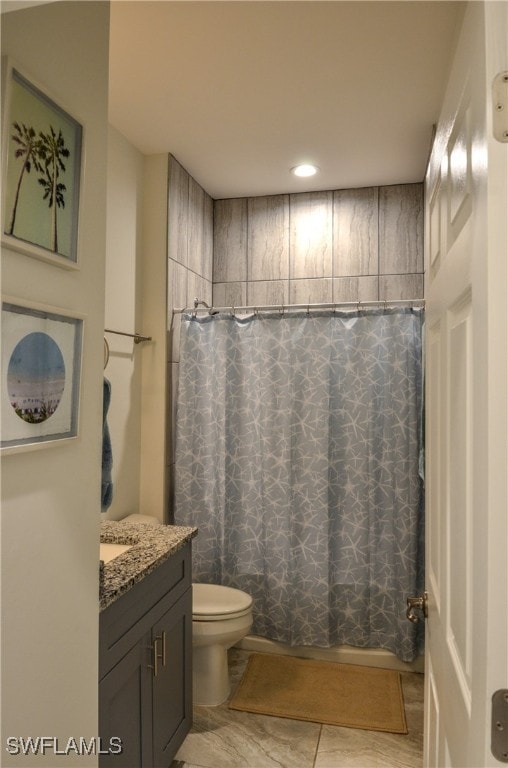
(145, 664)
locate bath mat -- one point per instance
(322, 692)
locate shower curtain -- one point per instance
(298, 457)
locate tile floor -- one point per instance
(224, 738)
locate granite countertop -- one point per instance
(151, 546)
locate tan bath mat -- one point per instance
(322, 692)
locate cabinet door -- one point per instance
(125, 709)
(172, 686)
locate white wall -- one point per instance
(51, 497)
(136, 277)
(123, 313)
(153, 482)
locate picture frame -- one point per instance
(42, 156)
(41, 350)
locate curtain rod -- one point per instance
(202, 306)
(138, 338)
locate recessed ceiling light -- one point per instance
(304, 170)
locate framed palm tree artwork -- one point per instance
(42, 155)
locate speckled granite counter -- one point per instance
(152, 544)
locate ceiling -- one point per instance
(240, 92)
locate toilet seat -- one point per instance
(213, 602)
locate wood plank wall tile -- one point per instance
(311, 234)
(172, 379)
(268, 237)
(364, 288)
(393, 287)
(178, 212)
(190, 273)
(230, 240)
(190, 247)
(401, 229)
(177, 299)
(267, 292)
(177, 285)
(208, 240)
(196, 227)
(347, 245)
(355, 232)
(310, 291)
(198, 288)
(230, 294)
(342, 234)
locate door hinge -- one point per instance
(500, 106)
(499, 739)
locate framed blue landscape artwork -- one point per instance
(41, 367)
(42, 156)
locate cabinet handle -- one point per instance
(158, 655)
(154, 666)
(163, 657)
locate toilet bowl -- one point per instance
(221, 616)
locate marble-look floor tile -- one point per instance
(183, 764)
(221, 737)
(351, 748)
(237, 661)
(413, 690)
(224, 738)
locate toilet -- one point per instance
(221, 616)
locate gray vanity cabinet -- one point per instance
(145, 689)
(125, 709)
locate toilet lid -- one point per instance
(212, 601)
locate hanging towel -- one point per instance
(107, 456)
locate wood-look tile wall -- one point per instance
(190, 271)
(190, 247)
(345, 245)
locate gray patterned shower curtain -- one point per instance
(298, 457)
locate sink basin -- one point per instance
(108, 552)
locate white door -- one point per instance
(466, 407)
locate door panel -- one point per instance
(466, 403)
(432, 718)
(435, 521)
(459, 556)
(172, 688)
(125, 708)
